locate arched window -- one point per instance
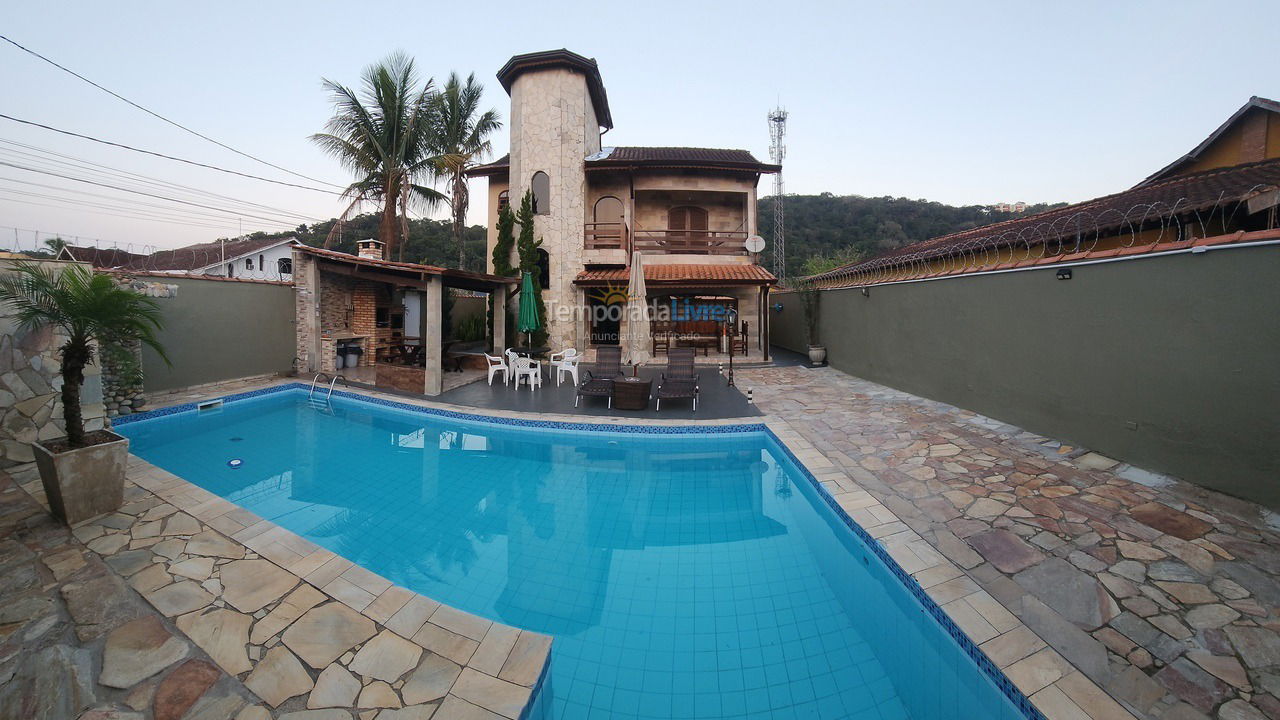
(248, 263)
(541, 186)
(608, 210)
(544, 268)
(504, 199)
(284, 266)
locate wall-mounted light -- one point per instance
(1064, 273)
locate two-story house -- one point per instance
(689, 211)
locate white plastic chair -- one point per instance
(512, 356)
(497, 365)
(565, 361)
(526, 369)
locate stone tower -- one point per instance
(558, 107)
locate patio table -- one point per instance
(631, 393)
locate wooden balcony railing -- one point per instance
(695, 242)
(606, 236)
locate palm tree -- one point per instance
(90, 309)
(383, 135)
(55, 245)
(461, 139)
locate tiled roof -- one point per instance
(193, 257)
(1064, 228)
(105, 257)
(350, 259)
(677, 274)
(561, 58)
(658, 157)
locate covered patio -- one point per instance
(381, 323)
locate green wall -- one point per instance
(1169, 363)
(221, 330)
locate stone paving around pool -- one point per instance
(1103, 592)
(1065, 565)
(182, 606)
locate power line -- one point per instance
(137, 205)
(162, 155)
(95, 209)
(117, 173)
(136, 192)
(161, 117)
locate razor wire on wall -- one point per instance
(1069, 236)
(240, 258)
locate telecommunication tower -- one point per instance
(778, 152)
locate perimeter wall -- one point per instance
(1170, 363)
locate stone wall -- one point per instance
(30, 387)
(122, 391)
(552, 130)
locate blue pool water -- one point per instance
(682, 576)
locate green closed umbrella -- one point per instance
(528, 322)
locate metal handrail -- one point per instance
(332, 383)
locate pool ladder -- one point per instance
(333, 381)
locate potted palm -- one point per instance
(83, 473)
(807, 292)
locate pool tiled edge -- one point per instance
(1050, 685)
(458, 664)
(1034, 676)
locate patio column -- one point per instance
(309, 297)
(432, 323)
(499, 319)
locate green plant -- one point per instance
(807, 294)
(527, 251)
(384, 135)
(470, 327)
(461, 137)
(90, 309)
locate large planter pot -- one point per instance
(84, 482)
(817, 354)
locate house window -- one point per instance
(284, 266)
(541, 187)
(231, 271)
(687, 217)
(544, 269)
(262, 263)
(504, 199)
(248, 263)
(608, 209)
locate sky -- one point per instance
(962, 103)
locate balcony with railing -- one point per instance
(690, 242)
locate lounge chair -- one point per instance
(599, 379)
(680, 380)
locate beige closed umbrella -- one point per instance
(635, 337)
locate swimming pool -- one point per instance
(683, 574)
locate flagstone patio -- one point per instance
(1066, 567)
(1164, 594)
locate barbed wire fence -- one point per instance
(267, 261)
(1059, 238)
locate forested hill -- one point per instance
(828, 230)
(822, 230)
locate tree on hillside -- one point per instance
(461, 139)
(834, 228)
(383, 135)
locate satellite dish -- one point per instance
(755, 244)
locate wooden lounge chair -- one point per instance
(680, 380)
(599, 378)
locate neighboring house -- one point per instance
(688, 210)
(1225, 190)
(250, 258)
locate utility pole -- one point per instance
(778, 152)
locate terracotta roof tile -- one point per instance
(711, 158)
(1187, 195)
(676, 274)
